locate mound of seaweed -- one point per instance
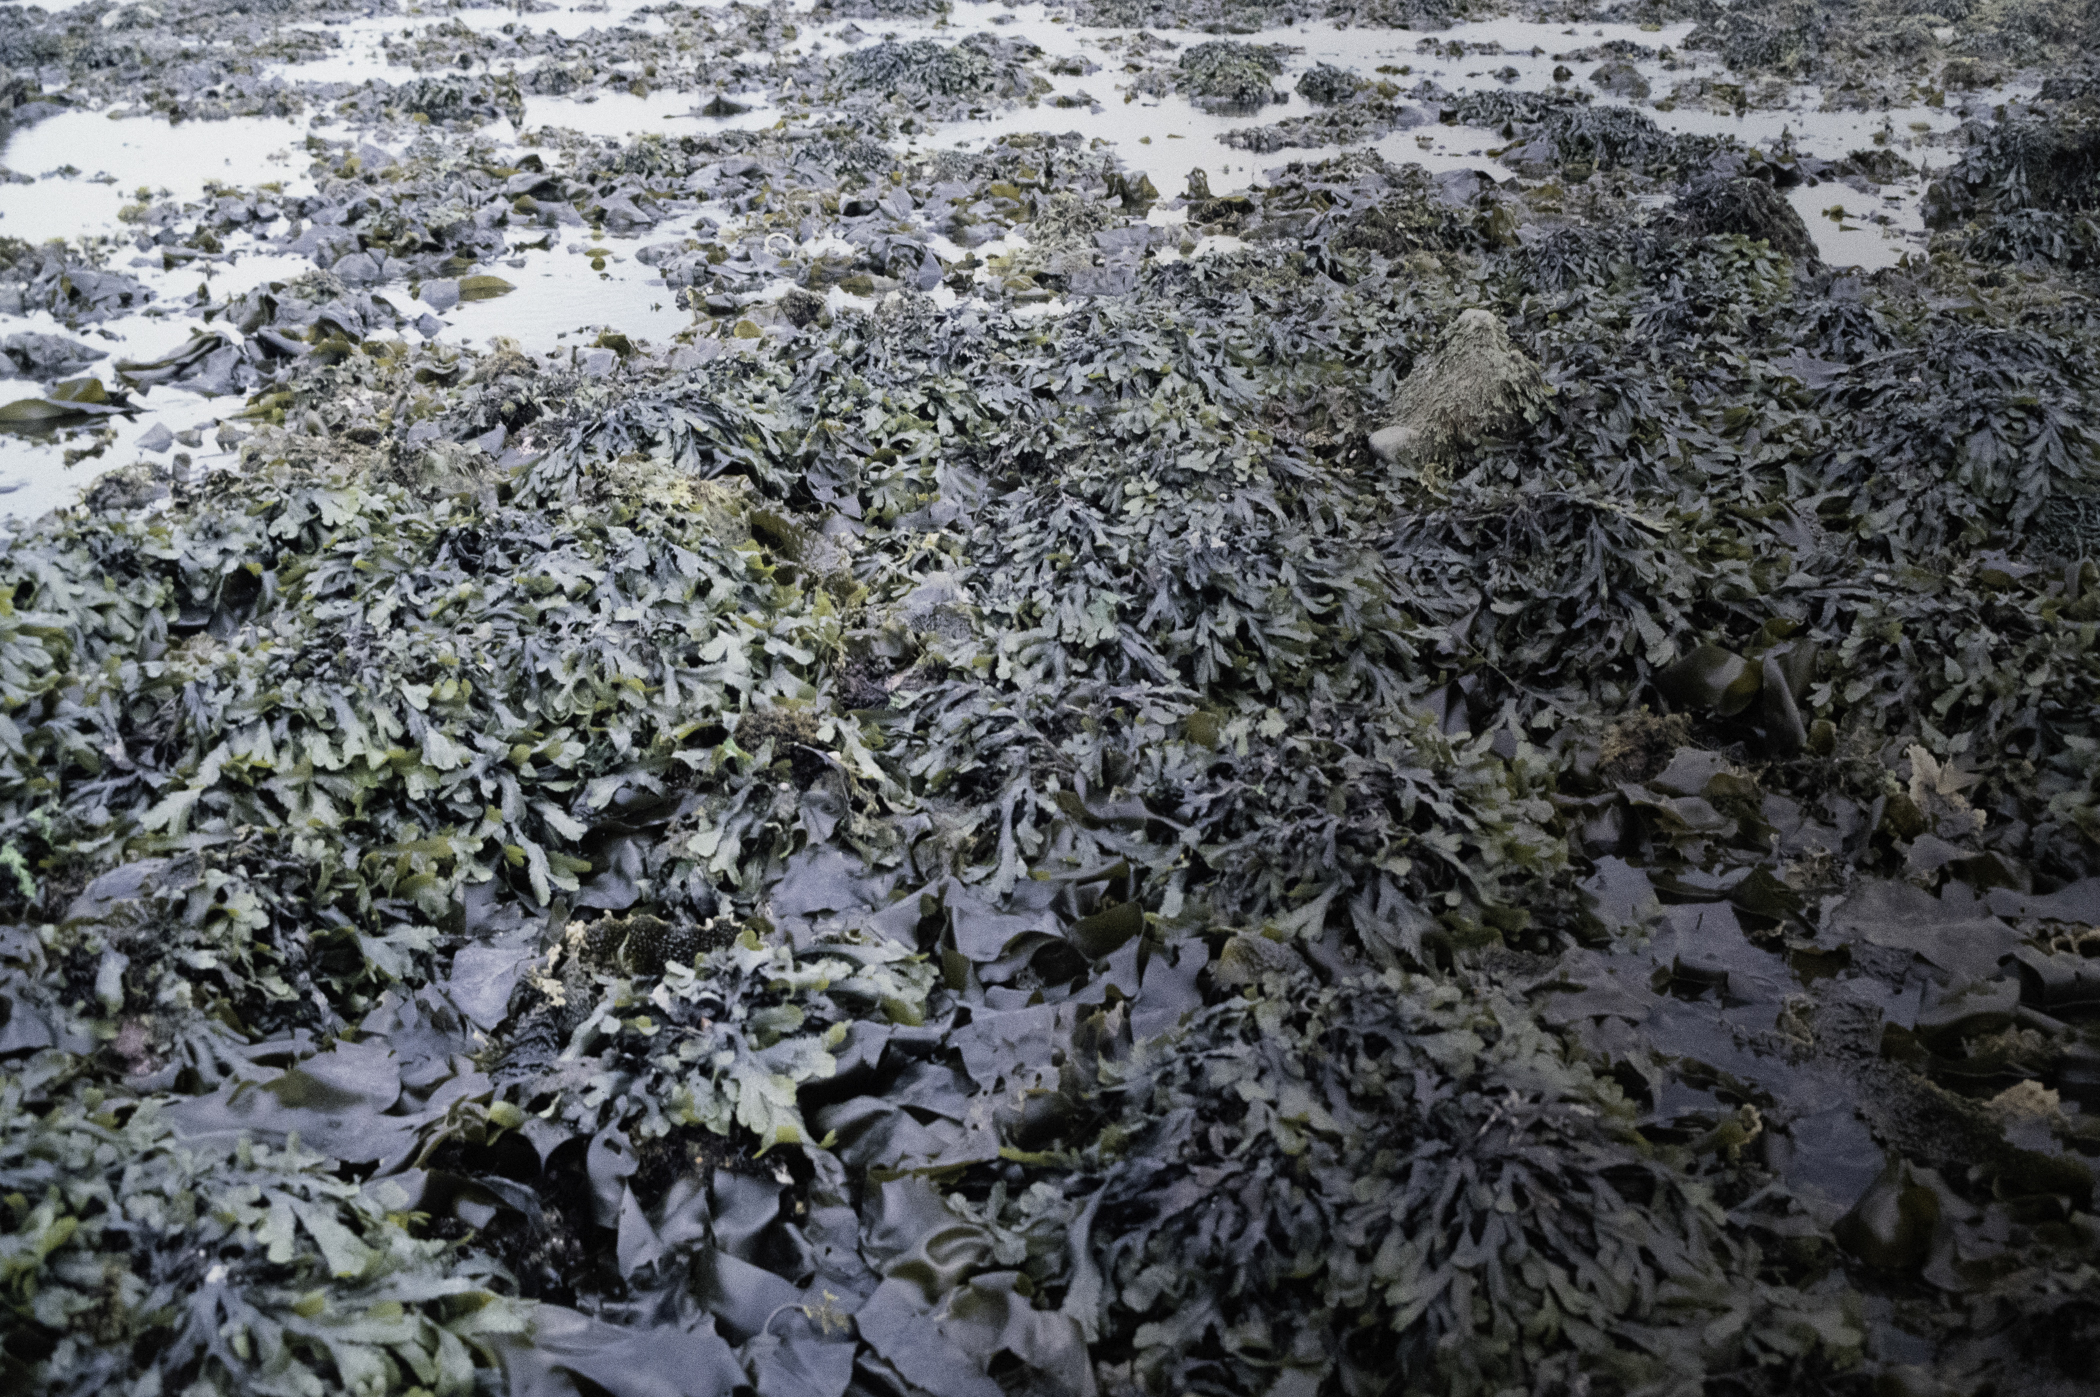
(1323, 84)
(1253, 16)
(2024, 189)
(1345, 122)
(980, 66)
(1750, 208)
(1315, 1185)
(1230, 77)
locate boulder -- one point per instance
(1621, 79)
(1475, 385)
(1324, 85)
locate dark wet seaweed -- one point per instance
(896, 847)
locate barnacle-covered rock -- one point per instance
(1475, 385)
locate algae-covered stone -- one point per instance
(1324, 84)
(1620, 78)
(1231, 77)
(1477, 385)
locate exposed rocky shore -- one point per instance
(717, 698)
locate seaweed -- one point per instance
(1749, 208)
(1314, 1185)
(974, 823)
(1228, 76)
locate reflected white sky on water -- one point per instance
(88, 164)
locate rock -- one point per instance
(803, 308)
(357, 269)
(484, 288)
(1475, 385)
(1890, 1228)
(1324, 84)
(156, 438)
(441, 296)
(1621, 79)
(598, 363)
(1748, 207)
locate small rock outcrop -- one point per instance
(1476, 385)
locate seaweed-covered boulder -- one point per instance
(980, 66)
(881, 9)
(1749, 207)
(1324, 84)
(1620, 78)
(2051, 163)
(1760, 37)
(1563, 135)
(2026, 190)
(1476, 385)
(1230, 77)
